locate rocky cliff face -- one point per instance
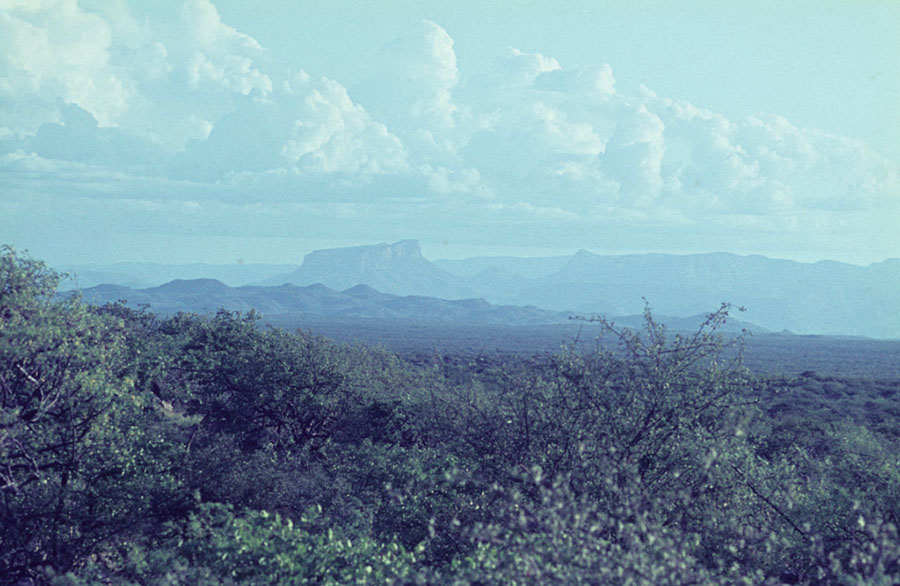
(351, 262)
(397, 268)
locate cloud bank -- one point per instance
(121, 114)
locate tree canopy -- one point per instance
(209, 449)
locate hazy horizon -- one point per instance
(229, 132)
(432, 254)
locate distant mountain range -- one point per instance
(808, 298)
(358, 302)
(141, 275)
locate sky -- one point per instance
(232, 131)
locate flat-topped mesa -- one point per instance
(397, 268)
(383, 255)
(406, 248)
(371, 257)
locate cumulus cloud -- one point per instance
(594, 82)
(413, 87)
(459, 181)
(518, 70)
(164, 80)
(568, 136)
(765, 164)
(97, 91)
(217, 54)
(304, 126)
(52, 50)
(187, 94)
(78, 137)
(413, 93)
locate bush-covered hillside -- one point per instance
(136, 449)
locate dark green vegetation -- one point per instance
(208, 450)
(762, 353)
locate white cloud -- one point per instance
(766, 165)
(413, 94)
(634, 155)
(595, 82)
(100, 95)
(303, 126)
(51, 51)
(417, 78)
(518, 69)
(220, 55)
(445, 181)
(162, 79)
(333, 134)
(567, 135)
(160, 85)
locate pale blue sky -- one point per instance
(257, 131)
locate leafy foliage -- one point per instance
(206, 449)
(82, 462)
(215, 545)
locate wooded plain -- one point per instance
(210, 449)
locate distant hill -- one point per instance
(808, 298)
(147, 274)
(359, 302)
(826, 297)
(823, 298)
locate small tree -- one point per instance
(81, 465)
(264, 387)
(647, 426)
